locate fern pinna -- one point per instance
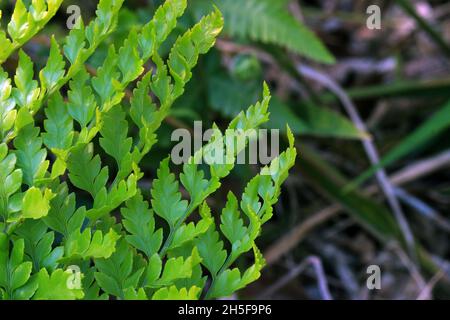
(48, 240)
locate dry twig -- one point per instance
(295, 272)
(412, 172)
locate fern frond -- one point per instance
(46, 230)
(25, 23)
(270, 22)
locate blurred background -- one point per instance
(365, 87)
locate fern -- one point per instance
(25, 23)
(270, 22)
(133, 258)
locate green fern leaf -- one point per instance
(270, 22)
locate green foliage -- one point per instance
(270, 22)
(25, 23)
(61, 191)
